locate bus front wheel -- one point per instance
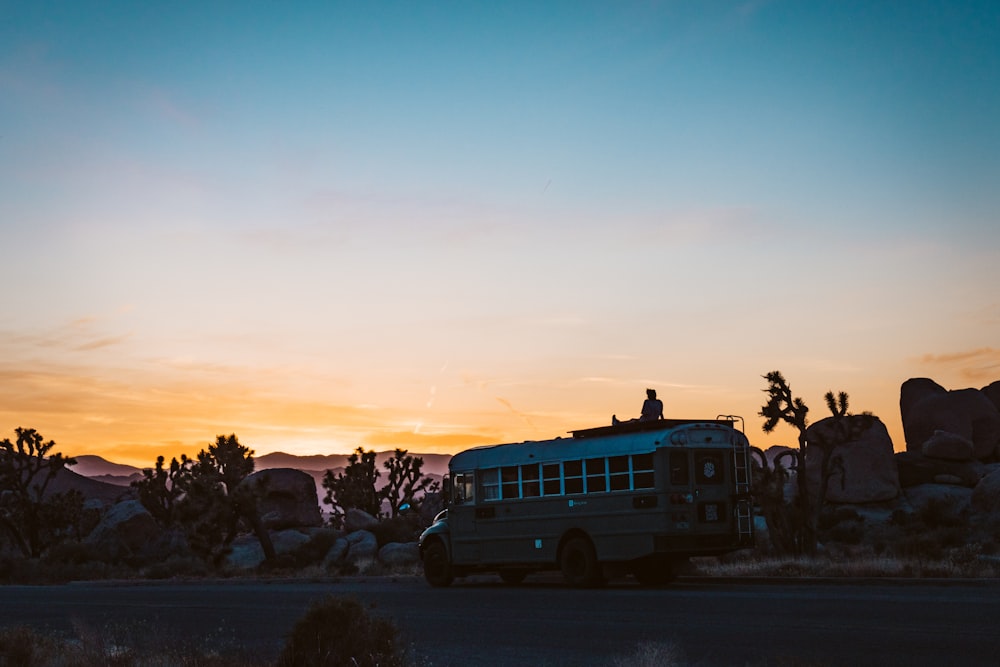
(579, 565)
(437, 567)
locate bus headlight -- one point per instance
(679, 438)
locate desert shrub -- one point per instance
(23, 647)
(849, 532)
(939, 512)
(838, 515)
(340, 631)
(177, 566)
(309, 553)
(402, 528)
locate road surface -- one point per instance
(483, 622)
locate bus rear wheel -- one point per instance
(437, 567)
(579, 565)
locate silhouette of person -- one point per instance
(652, 407)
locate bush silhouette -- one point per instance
(339, 631)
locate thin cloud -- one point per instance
(102, 342)
(978, 365)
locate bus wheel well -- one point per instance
(571, 535)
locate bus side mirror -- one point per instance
(446, 489)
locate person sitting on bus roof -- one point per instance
(652, 407)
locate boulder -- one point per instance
(361, 546)
(337, 553)
(355, 519)
(247, 554)
(915, 390)
(915, 468)
(948, 446)
(126, 528)
(956, 499)
(992, 392)
(399, 554)
(862, 469)
(986, 494)
(286, 498)
(967, 413)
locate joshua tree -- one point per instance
(206, 497)
(783, 407)
(353, 488)
(405, 481)
(32, 518)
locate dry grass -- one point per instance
(960, 563)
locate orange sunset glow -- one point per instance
(339, 227)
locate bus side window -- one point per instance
(511, 482)
(573, 476)
(530, 487)
(490, 483)
(463, 488)
(642, 471)
(596, 480)
(618, 472)
(679, 469)
(551, 485)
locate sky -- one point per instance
(435, 225)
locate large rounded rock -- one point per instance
(953, 500)
(355, 519)
(126, 528)
(948, 446)
(966, 413)
(992, 392)
(286, 498)
(915, 469)
(986, 494)
(362, 546)
(399, 554)
(862, 468)
(915, 390)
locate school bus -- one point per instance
(636, 497)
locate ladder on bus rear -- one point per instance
(741, 477)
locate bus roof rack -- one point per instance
(636, 426)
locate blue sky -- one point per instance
(442, 224)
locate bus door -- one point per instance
(698, 491)
(712, 493)
(462, 519)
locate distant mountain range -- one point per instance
(100, 469)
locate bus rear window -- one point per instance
(679, 468)
(708, 468)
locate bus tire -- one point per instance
(437, 567)
(579, 565)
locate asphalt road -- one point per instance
(483, 622)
